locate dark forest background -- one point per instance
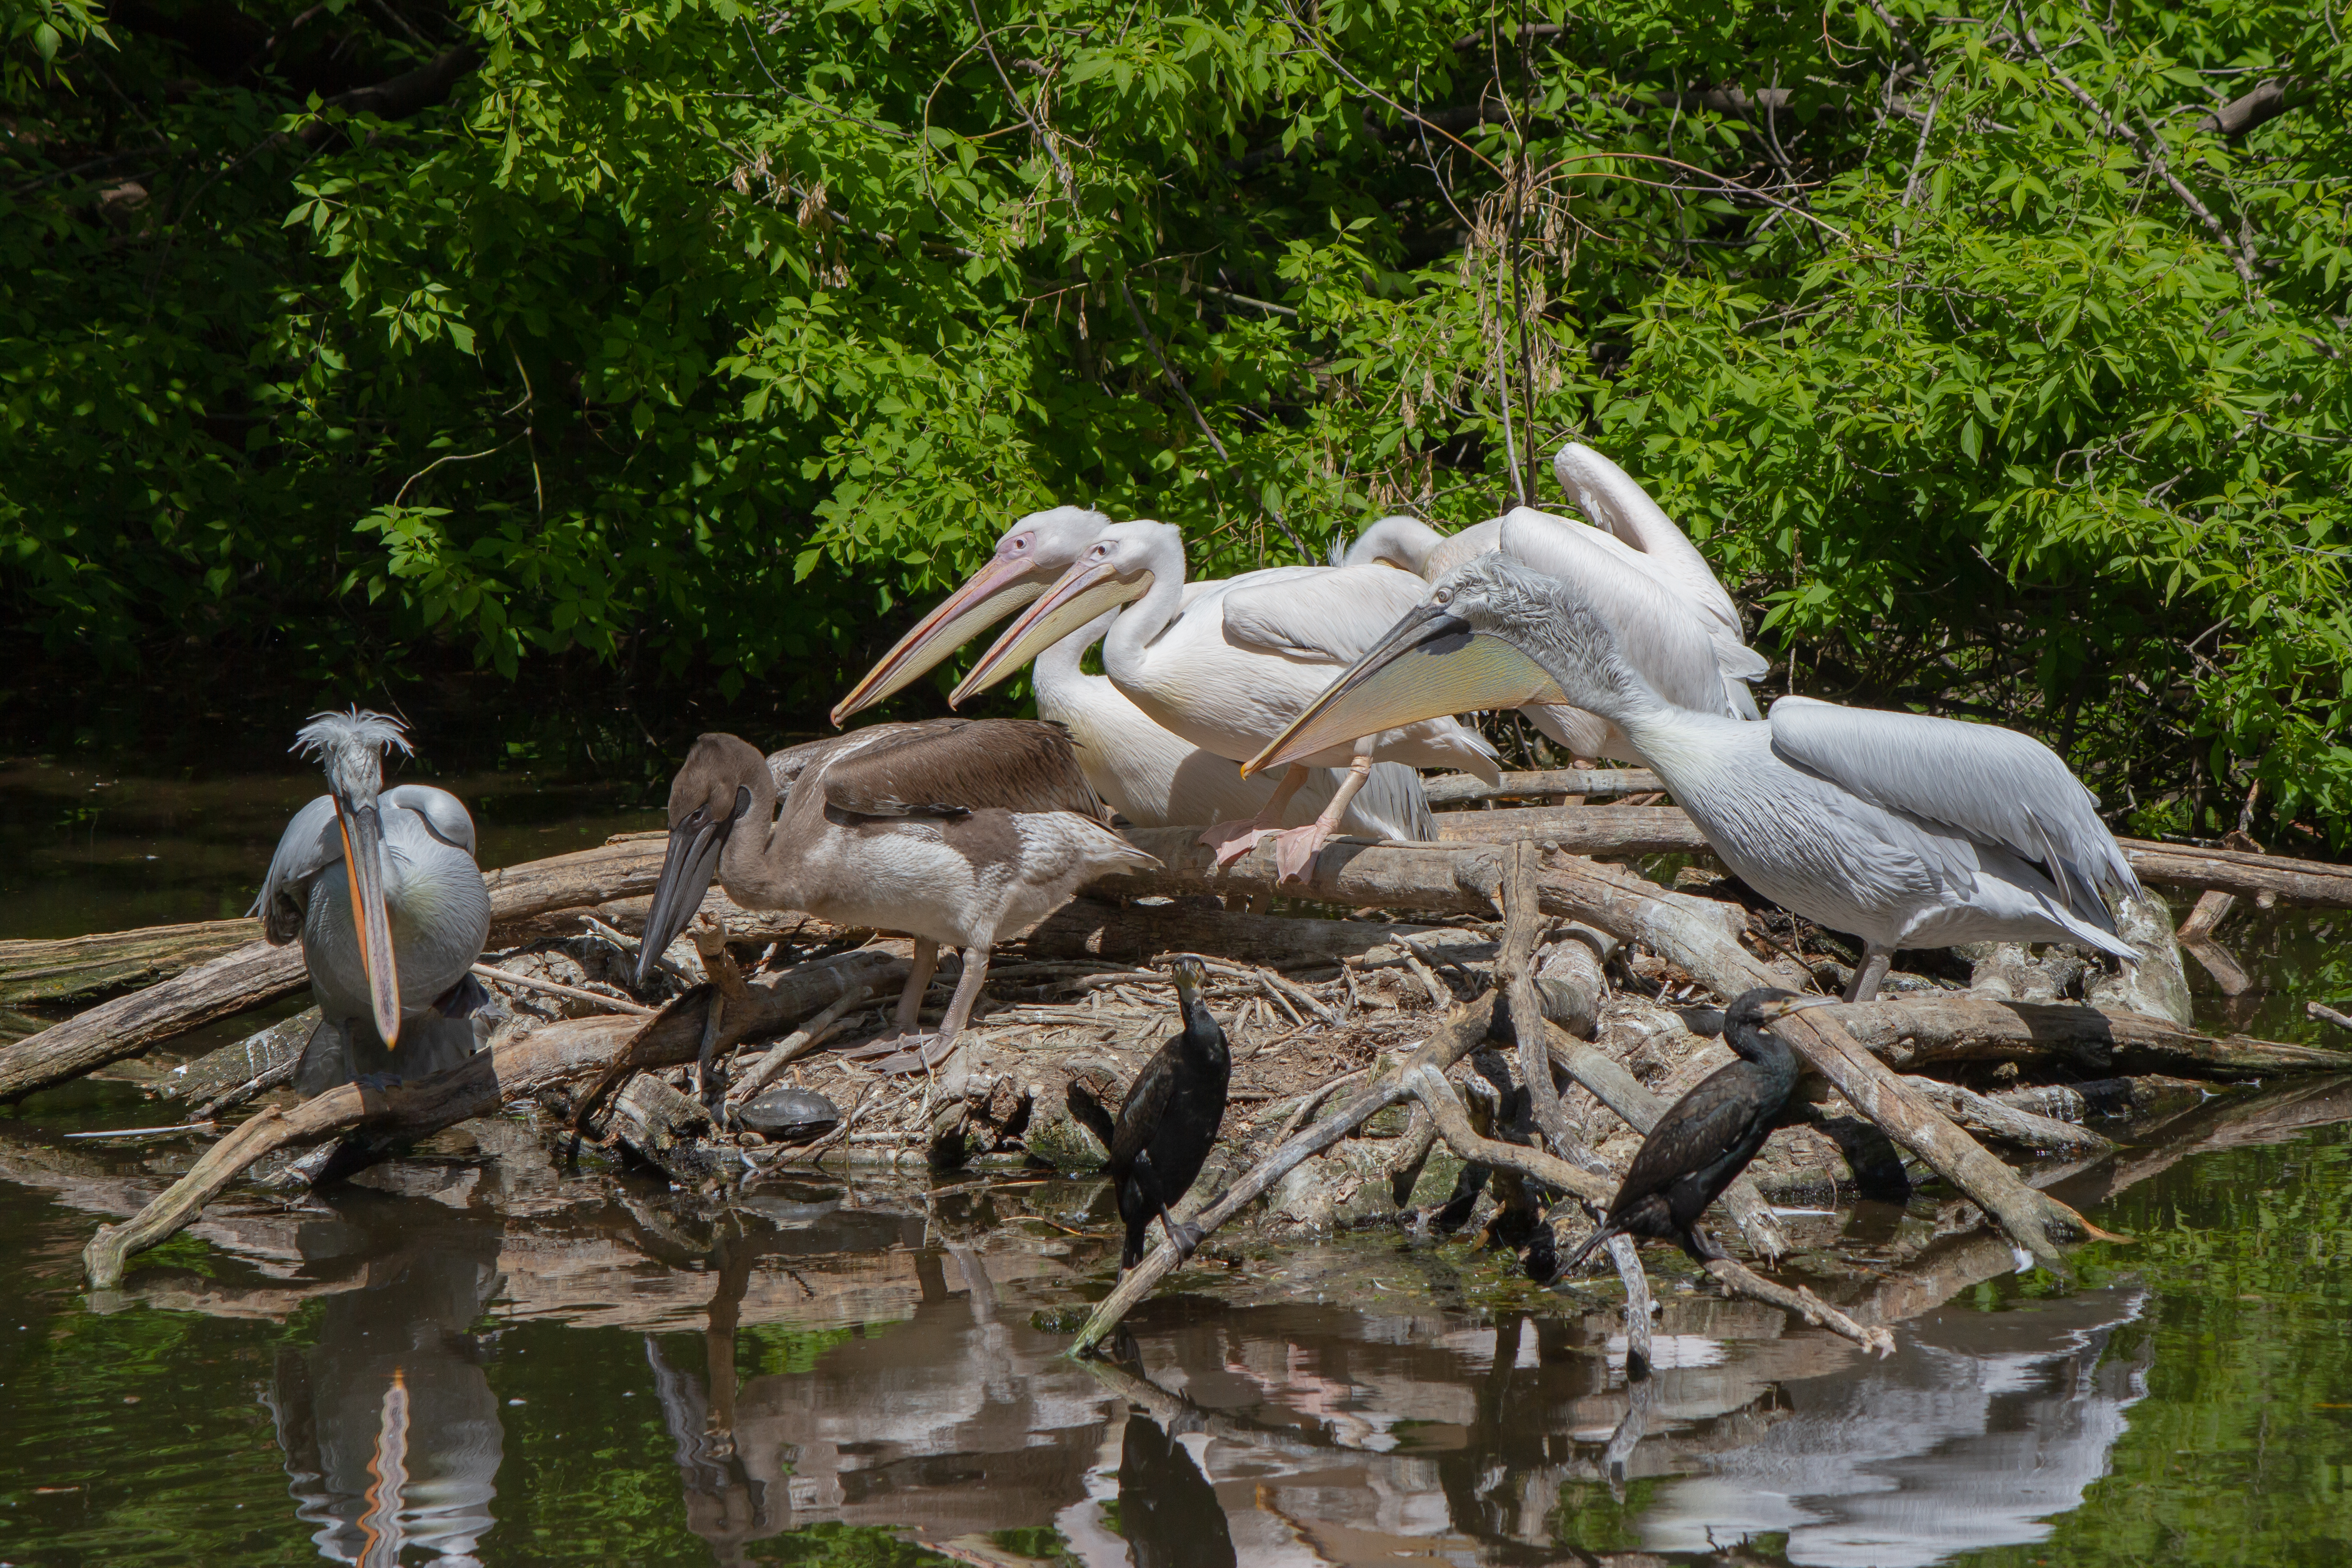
(627, 366)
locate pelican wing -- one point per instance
(1332, 614)
(1694, 657)
(947, 767)
(311, 844)
(445, 816)
(1993, 785)
(1610, 496)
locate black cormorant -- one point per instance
(1168, 1121)
(1706, 1138)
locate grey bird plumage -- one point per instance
(380, 889)
(1902, 829)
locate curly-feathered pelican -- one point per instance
(1905, 830)
(1680, 630)
(1229, 665)
(380, 887)
(1150, 776)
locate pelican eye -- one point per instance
(1443, 596)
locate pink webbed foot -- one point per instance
(1295, 849)
(1232, 840)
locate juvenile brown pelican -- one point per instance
(1905, 830)
(1151, 775)
(955, 831)
(1229, 665)
(380, 887)
(1707, 1137)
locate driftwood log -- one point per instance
(1455, 789)
(524, 1060)
(1912, 1032)
(78, 965)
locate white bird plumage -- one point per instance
(1228, 664)
(1902, 829)
(1148, 774)
(364, 856)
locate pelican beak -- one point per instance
(1085, 591)
(363, 827)
(992, 593)
(687, 867)
(1430, 663)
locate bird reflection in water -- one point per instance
(389, 1428)
(1167, 1510)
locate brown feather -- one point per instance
(950, 767)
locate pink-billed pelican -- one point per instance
(1648, 578)
(1902, 829)
(956, 831)
(1227, 666)
(380, 887)
(1149, 775)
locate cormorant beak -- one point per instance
(687, 867)
(1431, 663)
(1085, 591)
(1779, 1010)
(1189, 980)
(992, 593)
(362, 827)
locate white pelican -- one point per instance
(380, 887)
(1149, 775)
(1905, 830)
(1647, 577)
(956, 831)
(1229, 665)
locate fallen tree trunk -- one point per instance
(222, 1079)
(2020, 1127)
(524, 1061)
(108, 961)
(1593, 830)
(1917, 1031)
(258, 973)
(1453, 789)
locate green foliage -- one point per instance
(1991, 370)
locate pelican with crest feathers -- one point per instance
(1680, 629)
(1227, 666)
(956, 831)
(1902, 829)
(381, 888)
(1149, 775)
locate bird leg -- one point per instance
(1295, 849)
(1232, 840)
(934, 1049)
(1185, 1236)
(1873, 969)
(918, 980)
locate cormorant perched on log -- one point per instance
(1706, 1138)
(1168, 1121)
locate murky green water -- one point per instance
(482, 1356)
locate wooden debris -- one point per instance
(2022, 1128)
(222, 1079)
(521, 1062)
(1455, 789)
(72, 966)
(533, 982)
(1914, 1031)
(2327, 1015)
(2196, 937)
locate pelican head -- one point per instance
(712, 792)
(349, 747)
(1489, 634)
(1033, 552)
(1115, 570)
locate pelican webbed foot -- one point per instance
(1232, 840)
(1295, 849)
